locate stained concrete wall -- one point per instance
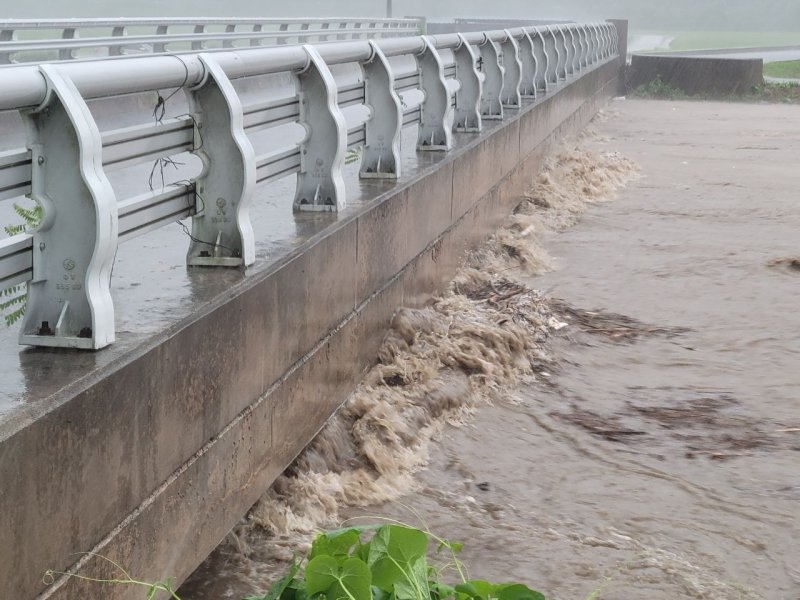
(697, 75)
(153, 458)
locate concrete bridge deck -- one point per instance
(150, 450)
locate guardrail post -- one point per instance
(303, 39)
(320, 184)
(529, 66)
(326, 25)
(491, 101)
(68, 33)
(6, 35)
(282, 41)
(221, 231)
(436, 111)
(116, 50)
(69, 296)
(553, 55)
(230, 28)
(160, 47)
(468, 98)
(606, 41)
(512, 78)
(381, 159)
(543, 61)
(199, 44)
(257, 28)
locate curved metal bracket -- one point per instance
(222, 234)
(69, 296)
(512, 79)
(582, 33)
(543, 60)
(468, 98)
(320, 184)
(596, 43)
(436, 123)
(527, 57)
(614, 39)
(566, 33)
(381, 159)
(554, 54)
(494, 74)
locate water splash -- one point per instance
(484, 335)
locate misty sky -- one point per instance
(729, 15)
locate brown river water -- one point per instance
(606, 402)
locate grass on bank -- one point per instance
(783, 93)
(785, 69)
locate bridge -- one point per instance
(325, 182)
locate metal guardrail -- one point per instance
(440, 84)
(26, 40)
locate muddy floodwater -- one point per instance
(629, 424)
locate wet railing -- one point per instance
(342, 95)
(27, 40)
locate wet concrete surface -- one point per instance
(663, 466)
(153, 289)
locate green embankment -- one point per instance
(786, 69)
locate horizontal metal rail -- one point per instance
(24, 40)
(441, 84)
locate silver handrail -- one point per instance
(451, 84)
(40, 40)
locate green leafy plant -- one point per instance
(14, 299)
(385, 562)
(658, 88)
(353, 155)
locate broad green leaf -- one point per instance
(440, 591)
(393, 552)
(362, 552)
(414, 586)
(379, 594)
(335, 543)
(350, 580)
(476, 588)
(517, 591)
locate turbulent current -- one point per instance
(533, 430)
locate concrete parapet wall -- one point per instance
(697, 75)
(153, 458)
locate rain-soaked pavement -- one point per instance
(663, 464)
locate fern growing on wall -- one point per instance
(14, 299)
